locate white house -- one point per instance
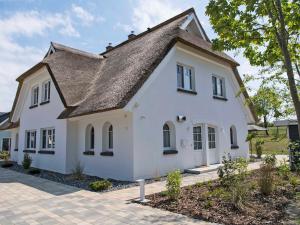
(159, 101)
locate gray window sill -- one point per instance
(187, 91)
(220, 98)
(46, 152)
(107, 153)
(89, 152)
(170, 152)
(29, 151)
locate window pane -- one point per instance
(92, 138)
(44, 139)
(197, 138)
(214, 81)
(110, 137)
(180, 76)
(53, 138)
(187, 79)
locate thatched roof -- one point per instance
(89, 83)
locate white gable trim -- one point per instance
(191, 18)
(51, 50)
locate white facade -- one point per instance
(138, 150)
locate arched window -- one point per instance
(90, 138)
(110, 137)
(107, 137)
(166, 132)
(233, 137)
(169, 137)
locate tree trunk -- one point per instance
(282, 39)
(266, 124)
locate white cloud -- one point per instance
(86, 17)
(15, 58)
(149, 15)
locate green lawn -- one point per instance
(275, 143)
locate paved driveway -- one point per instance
(27, 199)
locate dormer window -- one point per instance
(185, 78)
(46, 92)
(34, 96)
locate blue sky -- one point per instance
(27, 27)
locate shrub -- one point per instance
(173, 184)
(259, 147)
(26, 161)
(238, 194)
(284, 170)
(100, 185)
(34, 171)
(294, 181)
(4, 155)
(77, 172)
(270, 160)
(266, 180)
(227, 171)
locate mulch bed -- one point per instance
(208, 202)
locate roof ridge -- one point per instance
(62, 47)
(186, 12)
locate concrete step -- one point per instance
(203, 169)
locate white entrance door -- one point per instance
(212, 145)
(198, 145)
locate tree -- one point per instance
(266, 30)
(268, 103)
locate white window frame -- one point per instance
(197, 142)
(46, 86)
(30, 132)
(212, 137)
(167, 135)
(182, 83)
(219, 90)
(35, 98)
(50, 137)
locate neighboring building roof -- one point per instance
(89, 83)
(287, 122)
(4, 116)
(253, 127)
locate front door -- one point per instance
(212, 145)
(198, 145)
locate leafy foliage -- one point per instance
(173, 184)
(268, 33)
(270, 160)
(259, 147)
(266, 180)
(27, 160)
(100, 185)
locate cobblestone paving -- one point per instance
(27, 199)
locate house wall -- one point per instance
(120, 165)
(158, 101)
(43, 116)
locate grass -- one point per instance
(274, 143)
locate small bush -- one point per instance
(34, 171)
(259, 147)
(173, 184)
(227, 171)
(284, 170)
(270, 160)
(4, 155)
(77, 172)
(266, 181)
(239, 193)
(26, 161)
(100, 185)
